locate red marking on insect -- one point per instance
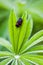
(19, 22)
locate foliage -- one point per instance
(22, 51)
(25, 46)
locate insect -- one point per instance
(19, 22)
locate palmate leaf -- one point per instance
(21, 50)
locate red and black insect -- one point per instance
(19, 22)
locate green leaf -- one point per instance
(6, 44)
(13, 30)
(29, 28)
(32, 40)
(11, 26)
(6, 61)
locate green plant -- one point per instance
(20, 50)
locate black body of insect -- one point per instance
(19, 22)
